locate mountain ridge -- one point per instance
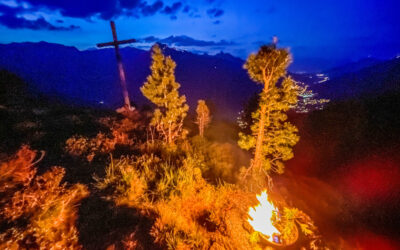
(91, 77)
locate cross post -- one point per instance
(122, 77)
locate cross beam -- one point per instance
(101, 45)
(122, 77)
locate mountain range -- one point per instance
(91, 77)
(367, 78)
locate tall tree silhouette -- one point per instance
(162, 90)
(272, 137)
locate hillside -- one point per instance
(352, 67)
(90, 77)
(371, 80)
(336, 145)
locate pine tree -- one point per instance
(203, 116)
(272, 137)
(162, 90)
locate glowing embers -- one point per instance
(261, 217)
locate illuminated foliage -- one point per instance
(272, 137)
(188, 212)
(162, 90)
(103, 143)
(19, 170)
(48, 208)
(203, 116)
(217, 161)
(293, 217)
(130, 242)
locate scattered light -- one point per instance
(326, 78)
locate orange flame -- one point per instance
(261, 216)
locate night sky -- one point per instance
(322, 31)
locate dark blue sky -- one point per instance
(318, 32)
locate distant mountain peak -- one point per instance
(352, 66)
(228, 56)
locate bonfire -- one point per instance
(265, 220)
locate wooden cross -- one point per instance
(122, 77)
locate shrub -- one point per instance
(42, 212)
(219, 161)
(125, 182)
(120, 134)
(188, 212)
(19, 170)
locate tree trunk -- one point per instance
(169, 135)
(257, 162)
(201, 127)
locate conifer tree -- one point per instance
(162, 90)
(203, 116)
(272, 137)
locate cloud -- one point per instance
(193, 15)
(172, 9)
(11, 18)
(106, 9)
(185, 41)
(217, 22)
(266, 42)
(14, 22)
(186, 9)
(129, 3)
(84, 9)
(215, 12)
(6, 9)
(149, 10)
(193, 12)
